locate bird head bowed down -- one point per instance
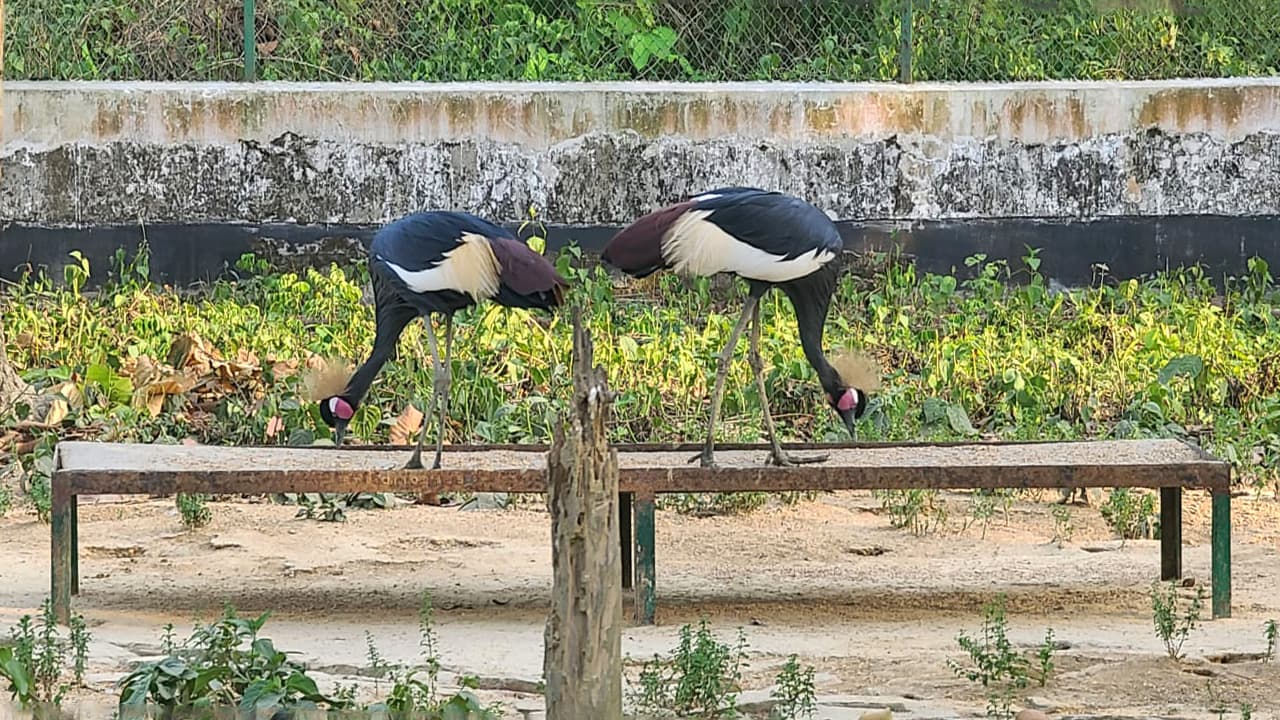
(326, 384)
(857, 376)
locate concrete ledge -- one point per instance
(541, 115)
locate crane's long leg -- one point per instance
(776, 456)
(444, 381)
(721, 373)
(415, 462)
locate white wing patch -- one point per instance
(695, 246)
(470, 268)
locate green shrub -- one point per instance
(440, 40)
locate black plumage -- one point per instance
(437, 263)
(770, 240)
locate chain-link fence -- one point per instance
(642, 39)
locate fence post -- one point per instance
(906, 45)
(250, 41)
(582, 664)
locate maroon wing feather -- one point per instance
(526, 278)
(637, 248)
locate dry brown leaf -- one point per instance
(68, 390)
(155, 404)
(57, 412)
(275, 426)
(406, 425)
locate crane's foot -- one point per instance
(781, 459)
(707, 458)
(415, 463)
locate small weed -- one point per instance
(982, 507)
(80, 637)
(166, 641)
(1171, 626)
(377, 664)
(1272, 633)
(1131, 515)
(413, 697)
(1045, 656)
(917, 510)
(995, 664)
(1063, 530)
(1246, 711)
(700, 680)
(794, 692)
(195, 513)
(6, 499)
(34, 662)
(41, 497)
(332, 507)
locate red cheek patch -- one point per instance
(342, 409)
(848, 400)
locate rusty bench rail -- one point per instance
(645, 470)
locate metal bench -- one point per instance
(87, 468)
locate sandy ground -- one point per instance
(873, 608)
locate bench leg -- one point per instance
(646, 602)
(61, 539)
(1170, 533)
(1221, 553)
(75, 544)
(624, 535)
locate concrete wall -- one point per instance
(88, 154)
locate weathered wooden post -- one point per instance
(583, 658)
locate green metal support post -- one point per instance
(1170, 533)
(250, 41)
(646, 598)
(1221, 553)
(62, 550)
(624, 535)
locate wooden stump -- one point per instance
(583, 660)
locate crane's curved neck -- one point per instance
(811, 298)
(362, 378)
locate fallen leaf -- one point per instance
(274, 426)
(406, 425)
(68, 390)
(57, 412)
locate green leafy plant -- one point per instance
(34, 664)
(994, 663)
(1131, 515)
(1063, 530)
(1045, 655)
(918, 510)
(193, 510)
(469, 40)
(699, 680)
(415, 693)
(225, 663)
(1272, 633)
(1173, 625)
(794, 694)
(1021, 361)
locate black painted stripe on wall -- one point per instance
(1130, 246)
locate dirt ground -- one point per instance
(873, 608)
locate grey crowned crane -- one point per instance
(770, 240)
(435, 263)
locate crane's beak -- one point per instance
(339, 432)
(849, 418)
